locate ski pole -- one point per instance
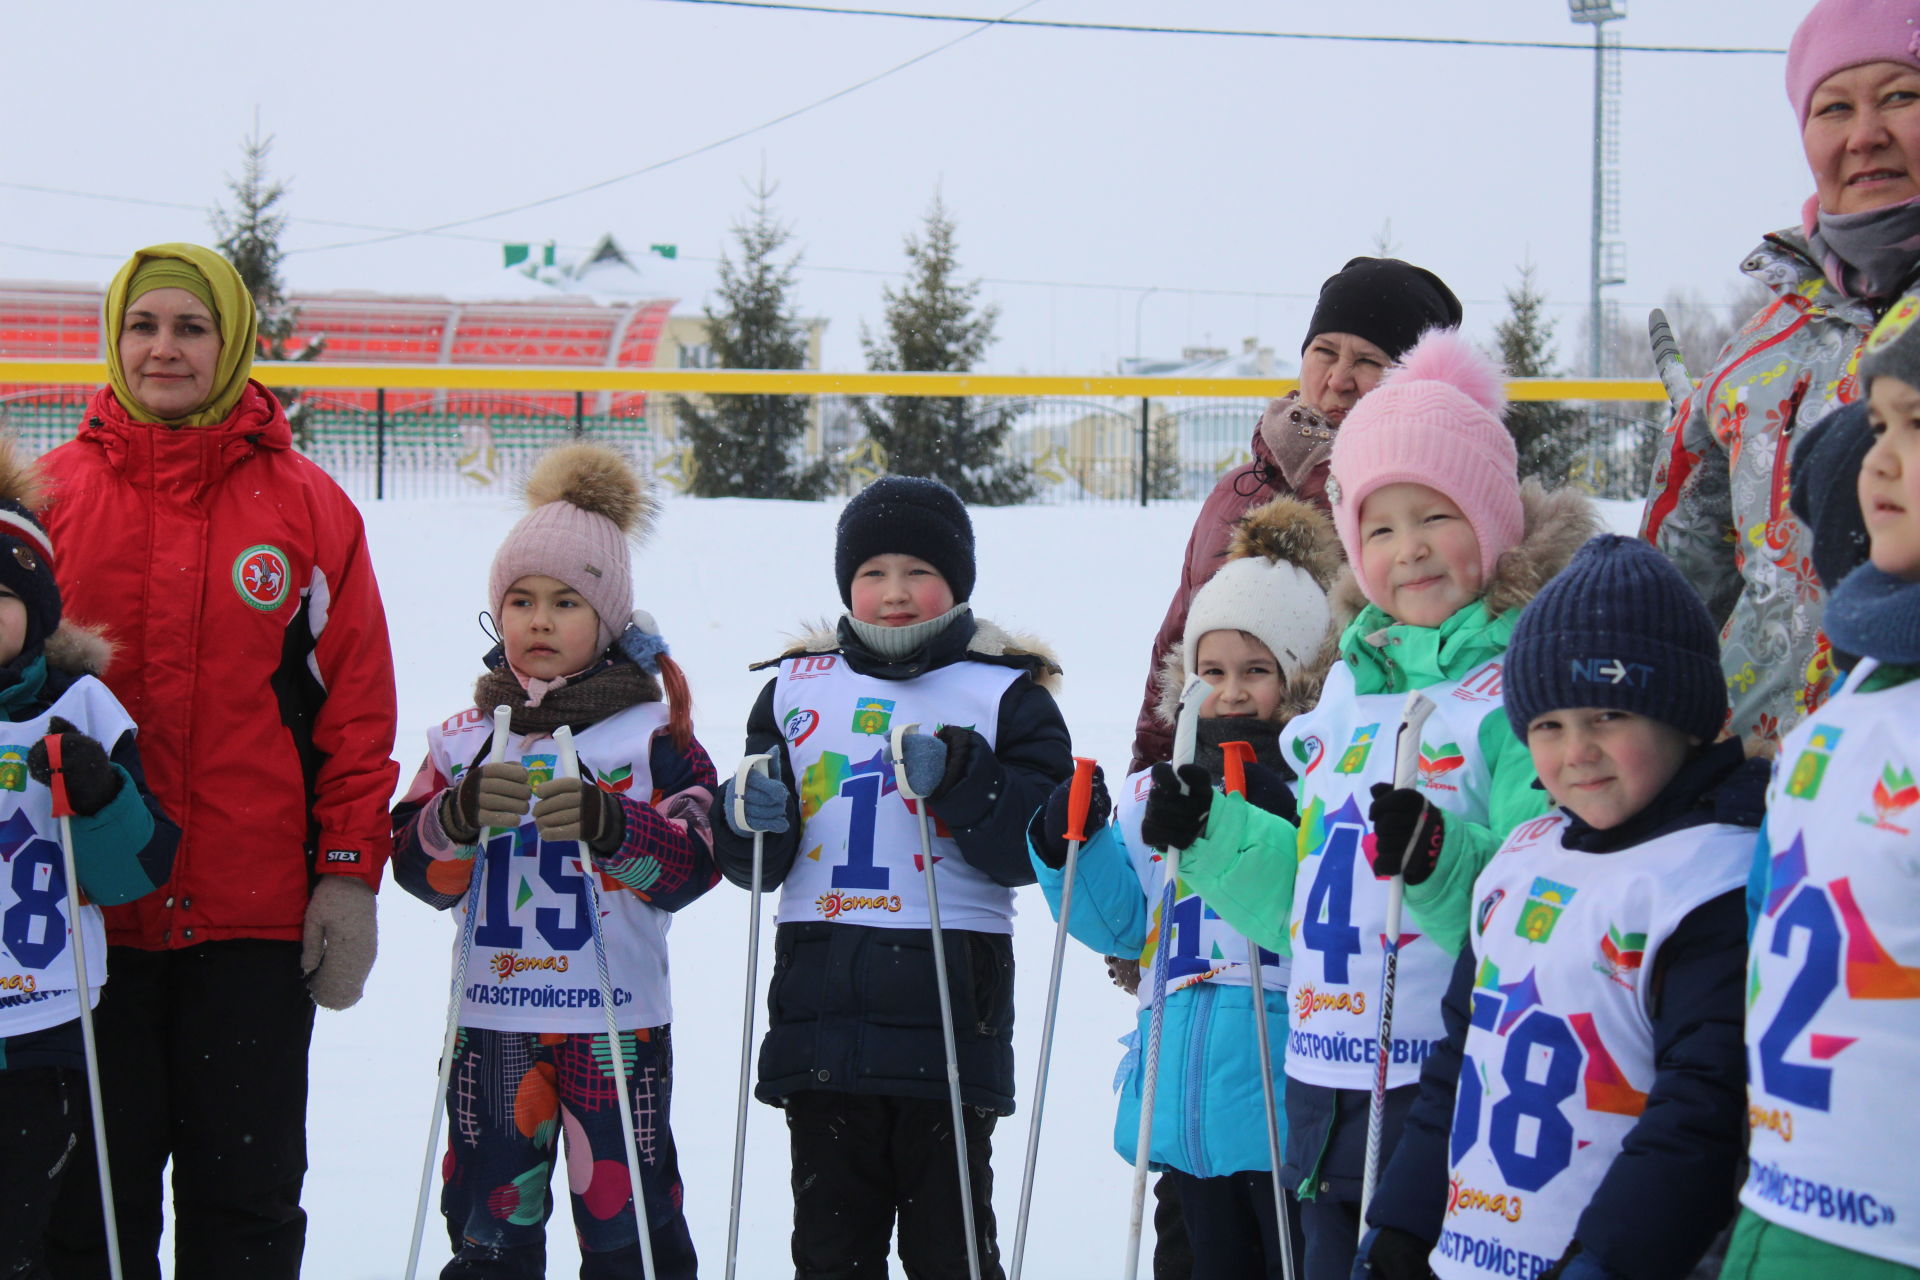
(1667, 361)
(63, 811)
(1186, 729)
(497, 754)
(1234, 782)
(616, 1046)
(752, 764)
(1079, 797)
(946, 997)
(1406, 763)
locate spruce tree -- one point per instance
(1550, 436)
(745, 446)
(250, 240)
(933, 325)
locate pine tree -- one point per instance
(250, 240)
(933, 325)
(745, 446)
(1550, 436)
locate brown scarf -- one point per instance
(592, 700)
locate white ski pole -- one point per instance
(502, 726)
(1406, 763)
(1667, 361)
(1186, 729)
(63, 812)
(616, 1048)
(946, 997)
(1079, 797)
(1234, 782)
(752, 764)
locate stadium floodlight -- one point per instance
(1596, 11)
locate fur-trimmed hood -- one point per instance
(79, 650)
(989, 640)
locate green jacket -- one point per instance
(1245, 863)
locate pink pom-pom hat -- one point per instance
(1433, 420)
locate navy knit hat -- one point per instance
(1825, 490)
(1618, 627)
(906, 516)
(1388, 302)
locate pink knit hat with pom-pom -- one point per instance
(1433, 420)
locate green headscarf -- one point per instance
(208, 277)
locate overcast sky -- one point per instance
(1181, 164)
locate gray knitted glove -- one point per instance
(338, 941)
(766, 805)
(493, 795)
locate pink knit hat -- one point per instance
(1838, 34)
(1433, 420)
(586, 503)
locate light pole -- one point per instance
(1137, 307)
(1606, 261)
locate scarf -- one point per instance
(901, 642)
(1865, 255)
(586, 698)
(1876, 615)
(1262, 735)
(209, 277)
(1299, 439)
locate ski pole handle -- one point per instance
(761, 764)
(1186, 728)
(1080, 797)
(569, 758)
(502, 726)
(1667, 360)
(62, 805)
(1406, 747)
(898, 744)
(1234, 757)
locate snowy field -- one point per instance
(728, 580)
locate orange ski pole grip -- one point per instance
(62, 806)
(1079, 797)
(1235, 755)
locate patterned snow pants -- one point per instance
(510, 1097)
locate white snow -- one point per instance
(728, 580)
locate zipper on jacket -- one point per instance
(1193, 1136)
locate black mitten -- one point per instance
(92, 781)
(1405, 827)
(1177, 806)
(1048, 832)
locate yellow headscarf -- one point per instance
(208, 277)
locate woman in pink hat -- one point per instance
(1719, 502)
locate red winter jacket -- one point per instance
(233, 576)
(1306, 439)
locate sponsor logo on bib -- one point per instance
(1545, 901)
(1354, 759)
(1307, 1002)
(1488, 905)
(872, 715)
(1804, 782)
(1437, 762)
(260, 576)
(13, 768)
(1620, 956)
(1893, 794)
(799, 725)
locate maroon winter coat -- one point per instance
(1291, 447)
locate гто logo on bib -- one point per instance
(260, 575)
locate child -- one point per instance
(1582, 1120)
(532, 1058)
(123, 847)
(1446, 545)
(854, 1051)
(1833, 1012)
(1259, 632)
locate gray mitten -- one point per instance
(493, 795)
(766, 805)
(926, 758)
(338, 941)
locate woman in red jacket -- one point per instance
(234, 578)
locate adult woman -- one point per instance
(1719, 501)
(1369, 312)
(233, 576)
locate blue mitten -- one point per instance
(926, 758)
(766, 805)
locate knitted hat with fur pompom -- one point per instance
(1434, 420)
(1281, 560)
(588, 508)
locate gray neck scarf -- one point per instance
(898, 642)
(1870, 254)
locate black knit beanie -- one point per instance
(26, 569)
(1618, 627)
(1388, 302)
(907, 516)
(1824, 490)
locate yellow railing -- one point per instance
(783, 382)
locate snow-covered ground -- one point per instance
(727, 580)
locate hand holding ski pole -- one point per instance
(1079, 800)
(1406, 766)
(739, 816)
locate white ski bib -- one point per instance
(532, 967)
(1559, 1052)
(859, 859)
(36, 912)
(1833, 988)
(1338, 924)
(1205, 948)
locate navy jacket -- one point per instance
(1675, 1183)
(852, 1008)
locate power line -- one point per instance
(1216, 31)
(657, 165)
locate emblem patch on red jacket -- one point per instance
(260, 575)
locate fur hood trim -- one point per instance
(1554, 525)
(990, 640)
(1169, 682)
(79, 649)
